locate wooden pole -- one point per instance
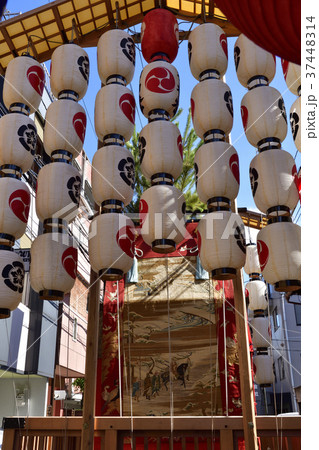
(246, 382)
(87, 440)
(245, 374)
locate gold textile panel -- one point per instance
(170, 342)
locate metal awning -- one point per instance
(42, 29)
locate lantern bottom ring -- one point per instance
(209, 74)
(259, 313)
(158, 114)
(111, 205)
(68, 94)
(113, 139)
(4, 313)
(162, 178)
(218, 204)
(10, 171)
(224, 273)
(214, 135)
(110, 274)
(163, 246)
(160, 56)
(50, 294)
(256, 81)
(61, 156)
(265, 385)
(116, 79)
(268, 143)
(254, 276)
(287, 285)
(20, 108)
(7, 238)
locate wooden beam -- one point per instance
(226, 439)
(9, 42)
(59, 24)
(88, 422)
(109, 11)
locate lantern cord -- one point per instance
(169, 355)
(225, 348)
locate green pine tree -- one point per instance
(185, 182)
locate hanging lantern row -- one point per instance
(273, 174)
(22, 92)
(162, 206)
(261, 331)
(54, 255)
(292, 75)
(221, 240)
(111, 234)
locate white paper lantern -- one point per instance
(14, 208)
(161, 149)
(114, 113)
(292, 74)
(252, 266)
(221, 244)
(207, 50)
(116, 56)
(23, 84)
(253, 64)
(162, 209)
(53, 265)
(295, 122)
(11, 282)
(58, 192)
(273, 177)
(159, 90)
(279, 251)
(261, 332)
(70, 68)
(65, 127)
(113, 176)
(217, 171)
(264, 117)
(257, 290)
(111, 245)
(212, 108)
(263, 368)
(18, 140)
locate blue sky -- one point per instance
(245, 150)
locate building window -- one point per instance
(275, 317)
(75, 328)
(281, 368)
(298, 314)
(274, 370)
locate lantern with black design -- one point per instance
(292, 75)
(112, 233)
(22, 92)
(273, 174)
(216, 162)
(162, 206)
(54, 254)
(256, 287)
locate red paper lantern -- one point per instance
(274, 25)
(159, 35)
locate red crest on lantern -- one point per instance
(19, 202)
(127, 105)
(70, 261)
(35, 75)
(79, 123)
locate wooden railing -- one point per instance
(149, 433)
